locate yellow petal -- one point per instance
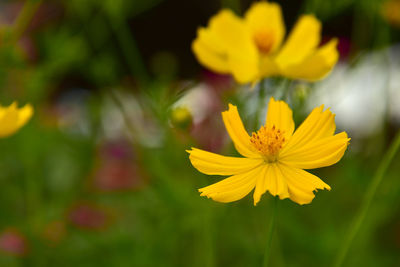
(321, 153)
(244, 67)
(12, 118)
(209, 53)
(272, 180)
(231, 31)
(268, 67)
(261, 184)
(214, 164)
(301, 42)
(242, 55)
(319, 124)
(278, 185)
(317, 65)
(226, 46)
(266, 17)
(237, 132)
(232, 188)
(25, 113)
(301, 184)
(280, 115)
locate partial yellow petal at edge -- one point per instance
(12, 118)
(214, 164)
(25, 113)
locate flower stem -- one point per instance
(129, 48)
(260, 104)
(373, 186)
(271, 230)
(28, 11)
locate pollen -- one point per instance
(268, 141)
(264, 41)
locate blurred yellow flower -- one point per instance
(391, 12)
(274, 156)
(12, 118)
(250, 48)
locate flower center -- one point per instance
(264, 41)
(268, 141)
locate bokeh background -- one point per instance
(100, 176)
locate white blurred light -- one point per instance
(359, 94)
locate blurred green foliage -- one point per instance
(93, 88)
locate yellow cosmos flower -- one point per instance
(274, 156)
(391, 12)
(12, 118)
(250, 48)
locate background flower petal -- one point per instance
(317, 65)
(24, 114)
(207, 53)
(12, 118)
(265, 16)
(214, 164)
(301, 42)
(234, 37)
(245, 68)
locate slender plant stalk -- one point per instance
(129, 47)
(260, 104)
(271, 230)
(373, 186)
(128, 124)
(24, 18)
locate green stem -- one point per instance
(129, 48)
(271, 230)
(28, 11)
(260, 104)
(128, 124)
(373, 186)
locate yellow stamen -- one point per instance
(268, 141)
(264, 41)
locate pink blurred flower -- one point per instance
(13, 242)
(117, 168)
(217, 81)
(88, 216)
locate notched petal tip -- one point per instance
(231, 106)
